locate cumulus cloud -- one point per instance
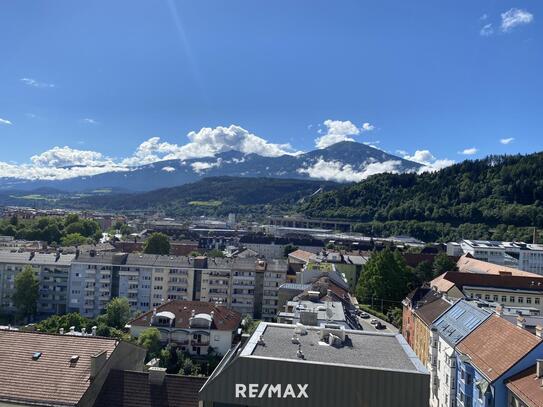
(469, 151)
(340, 130)
(5, 121)
(37, 84)
(168, 169)
(201, 166)
(88, 120)
(429, 162)
(514, 17)
(508, 140)
(337, 171)
(487, 30)
(58, 157)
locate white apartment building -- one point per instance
(52, 271)
(248, 286)
(520, 255)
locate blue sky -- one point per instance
(106, 76)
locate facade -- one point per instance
(60, 370)
(274, 247)
(193, 326)
(52, 271)
(285, 365)
(494, 352)
(520, 255)
(249, 286)
(508, 290)
(447, 331)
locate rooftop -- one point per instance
(224, 319)
(429, 311)
(50, 378)
(373, 350)
(494, 244)
(467, 264)
(526, 386)
(132, 389)
(489, 346)
(459, 320)
(447, 280)
(47, 259)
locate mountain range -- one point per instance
(354, 158)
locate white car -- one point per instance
(374, 321)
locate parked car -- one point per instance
(364, 315)
(374, 321)
(379, 325)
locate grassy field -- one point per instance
(211, 204)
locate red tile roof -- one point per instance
(527, 387)
(429, 312)
(449, 279)
(490, 346)
(132, 389)
(224, 319)
(51, 379)
(467, 264)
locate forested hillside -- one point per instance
(496, 197)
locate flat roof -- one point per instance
(360, 349)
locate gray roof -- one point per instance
(459, 321)
(367, 349)
(47, 259)
(295, 286)
(322, 308)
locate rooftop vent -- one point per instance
(299, 353)
(74, 358)
(36, 355)
(261, 341)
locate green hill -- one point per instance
(497, 197)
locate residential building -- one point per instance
(447, 331)
(469, 264)
(520, 255)
(193, 326)
(52, 271)
(314, 312)
(508, 290)
(525, 388)
(318, 366)
(60, 370)
(249, 286)
(274, 247)
(491, 354)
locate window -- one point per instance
(528, 300)
(478, 296)
(479, 394)
(511, 299)
(520, 300)
(487, 297)
(537, 301)
(468, 378)
(495, 298)
(504, 298)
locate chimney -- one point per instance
(93, 332)
(72, 329)
(97, 363)
(84, 331)
(539, 331)
(521, 322)
(539, 368)
(157, 375)
(61, 331)
(499, 310)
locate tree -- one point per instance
(158, 243)
(150, 340)
(424, 271)
(215, 253)
(289, 248)
(385, 278)
(25, 297)
(443, 263)
(395, 316)
(117, 313)
(74, 239)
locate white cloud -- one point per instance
(507, 140)
(201, 166)
(37, 84)
(483, 17)
(421, 156)
(515, 17)
(5, 121)
(340, 130)
(429, 162)
(168, 169)
(436, 165)
(469, 151)
(88, 120)
(487, 30)
(58, 157)
(337, 171)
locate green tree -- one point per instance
(117, 313)
(289, 248)
(385, 278)
(25, 297)
(443, 263)
(215, 253)
(158, 243)
(424, 271)
(394, 316)
(150, 340)
(74, 239)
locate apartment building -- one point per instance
(520, 255)
(52, 271)
(248, 286)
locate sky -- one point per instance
(113, 84)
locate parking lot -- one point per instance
(367, 326)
